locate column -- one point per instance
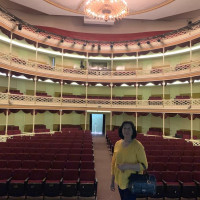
(136, 120)
(136, 94)
(112, 62)
(86, 92)
(191, 115)
(60, 129)
(85, 119)
(61, 91)
(6, 131)
(36, 52)
(111, 92)
(9, 77)
(163, 124)
(33, 120)
(11, 38)
(190, 50)
(110, 120)
(191, 88)
(137, 61)
(163, 55)
(62, 58)
(163, 98)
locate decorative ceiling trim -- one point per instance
(130, 13)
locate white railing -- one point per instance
(17, 99)
(19, 63)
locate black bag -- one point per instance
(142, 185)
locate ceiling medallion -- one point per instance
(106, 9)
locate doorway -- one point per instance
(97, 124)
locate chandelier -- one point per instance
(106, 9)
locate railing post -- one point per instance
(6, 130)
(191, 120)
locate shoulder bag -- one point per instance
(142, 185)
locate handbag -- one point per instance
(142, 185)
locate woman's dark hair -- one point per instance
(134, 135)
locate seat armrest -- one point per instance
(164, 182)
(180, 182)
(44, 180)
(26, 180)
(9, 179)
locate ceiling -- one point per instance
(138, 9)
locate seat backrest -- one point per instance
(58, 164)
(37, 174)
(87, 165)
(169, 176)
(70, 174)
(20, 174)
(54, 174)
(184, 176)
(5, 173)
(87, 175)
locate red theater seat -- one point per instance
(17, 185)
(69, 187)
(36, 182)
(188, 186)
(88, 183)
(53, 183)
(172, 186)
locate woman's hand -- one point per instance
(123, 167)
(112, 186)
(129, 166)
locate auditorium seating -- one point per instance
(48, 162)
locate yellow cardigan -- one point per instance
(134, 153)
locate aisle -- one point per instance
(103, 173)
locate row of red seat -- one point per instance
(49, 156)
(50, 183)
(46, 164)
(173, 166)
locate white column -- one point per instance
(136, 94)
(60, 129)
(191, 115)
(163, 55)
(137, 61)
(190, 50)
(163, 89)
(11, 39)
(35, 88)
(87, 60)
(191, 88)
(136, 120)
(36, 52)
(111, 92)
(61, 91)
(6, 131)
(111, 62)
(9, 77)
(33, 120)
(62, 58)
(85, 119)
(163, 124)
(86, 92)
(111, 121)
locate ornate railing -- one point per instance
(27, 100)
(32, 67)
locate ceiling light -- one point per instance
(138, 43)
(106, 9)
(148, 42)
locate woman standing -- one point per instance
(127, 158)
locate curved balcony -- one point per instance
(16, 64)
(41, 102)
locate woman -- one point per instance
(127, 158)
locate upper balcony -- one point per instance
(160, 73)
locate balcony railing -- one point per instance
(28, 100)
(18, 64)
